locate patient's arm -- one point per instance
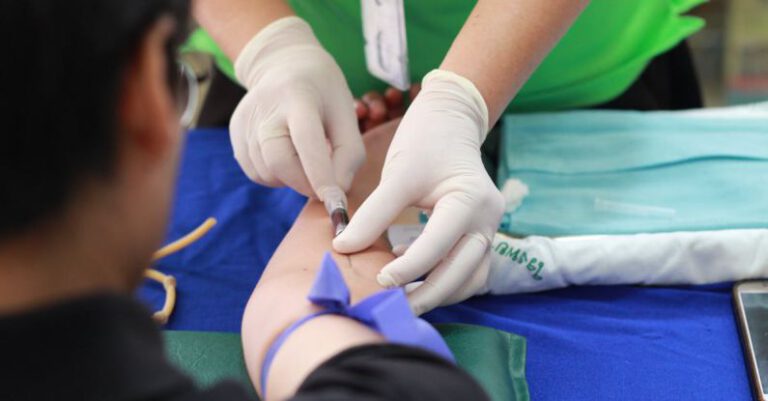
(280, 296)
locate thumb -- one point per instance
(371, 219)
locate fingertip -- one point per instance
(397, 274)
(393, 97)
(378, 111)
(400, 249)
(361, 110)
(377, 107)
(370, 220)
(341, 244)
(386, 280)
(348, 242)
(345, 178)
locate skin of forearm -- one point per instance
(280, 296)
(503, 41)
(232, 23)
(280, 299)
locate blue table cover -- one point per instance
(587, 343)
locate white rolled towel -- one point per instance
(541, 263)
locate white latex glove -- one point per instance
(296, 126)
(434, 163)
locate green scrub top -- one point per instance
(604, 51)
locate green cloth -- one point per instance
(601, 55)
(495, 358)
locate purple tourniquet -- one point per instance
(386, 312)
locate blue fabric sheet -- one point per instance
(587, 343)
(624, 172)
(217, 274)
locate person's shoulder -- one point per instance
(222, 391)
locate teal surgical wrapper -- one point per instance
(618, 172)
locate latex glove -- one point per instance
(296, 126)
(434, 163)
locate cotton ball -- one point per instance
(514, 191)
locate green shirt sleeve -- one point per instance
(605, 50)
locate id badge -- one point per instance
(386, 49)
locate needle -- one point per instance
(336, 204)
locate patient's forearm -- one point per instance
(280, 297)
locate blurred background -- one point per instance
(731, 53)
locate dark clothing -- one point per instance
(100, 348)
(108, 348)
(669, 82)
(220, 101)
(388, 372)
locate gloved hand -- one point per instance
(296, 126)
(434, 163)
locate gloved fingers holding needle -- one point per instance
(296, 125)
(434, 163)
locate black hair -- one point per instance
(61, 69)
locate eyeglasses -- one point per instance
(187, 94)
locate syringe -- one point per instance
(336, 204)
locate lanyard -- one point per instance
(386, 49)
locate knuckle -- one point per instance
(277, 162)
(483, 239)
(268, 132)
(429, 285)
